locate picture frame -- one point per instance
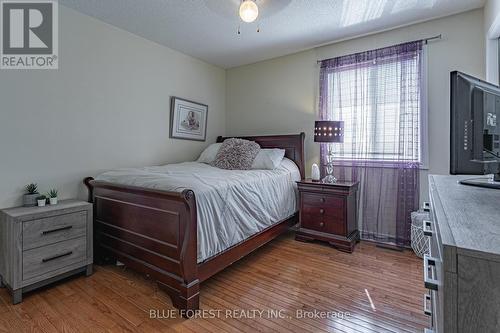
(188, 119)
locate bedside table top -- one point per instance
(17, 212)
(339, 183)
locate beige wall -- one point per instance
(106, 107)
(280, 95)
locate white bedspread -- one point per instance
(232, 204)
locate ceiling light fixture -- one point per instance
(249, 11)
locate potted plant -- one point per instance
(29, 198)
(52, 194)
(42, 200)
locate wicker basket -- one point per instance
(419, 242)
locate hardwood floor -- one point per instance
(377, 290)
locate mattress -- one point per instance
(232, 205)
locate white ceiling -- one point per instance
(207, 29)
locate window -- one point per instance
(378, 96)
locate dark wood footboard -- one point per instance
(153, 232)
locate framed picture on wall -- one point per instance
(188, 119)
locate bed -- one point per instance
(148, 218)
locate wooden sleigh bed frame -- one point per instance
(155, 232)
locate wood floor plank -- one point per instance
(325, 287)
(290, 284)
(69, 311)
(289, 303)
(381, 289)
(9, 322)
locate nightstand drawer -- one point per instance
(52, 257)
(322, 223)
(327, 201)
(324, 210)
(54, 229)
(312, 221)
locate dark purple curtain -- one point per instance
(378, 96)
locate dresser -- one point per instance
(40, 245)
(328, 212)
(462, 271)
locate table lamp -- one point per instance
(330, 132)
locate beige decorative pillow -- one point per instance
(236, 154)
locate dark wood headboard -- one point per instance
(293, 145)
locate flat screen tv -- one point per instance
(475, 129)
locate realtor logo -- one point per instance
(29, 34)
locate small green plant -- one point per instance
(52, 193)
(31, 188)
(41, 197)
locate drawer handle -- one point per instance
(322, 199)
(426, 207)
(321, 224)
(321, 211)
(427, 299)
(56, 230)
(428, 228)
(429, 266)
(57, 256)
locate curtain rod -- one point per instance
(425, 40)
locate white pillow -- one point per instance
(268, 159)
(208, 155)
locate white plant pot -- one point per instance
(53, 201)
(41, 203)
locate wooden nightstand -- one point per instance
(40, 245)
(328, 213)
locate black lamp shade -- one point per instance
(328, 131)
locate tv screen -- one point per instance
(475, 128)
(491, 127)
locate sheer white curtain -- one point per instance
(378, 95)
